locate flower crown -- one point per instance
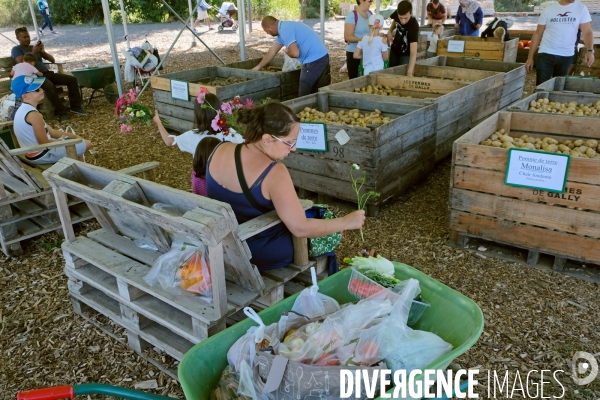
(225, 117)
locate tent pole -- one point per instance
(323, 20)
(377, 6)
(242, 29)
(113, 47)
(192, 22)
(35, 26)
(162, 61)
(191, 30)
(249, 16)
(124, 23)
(424, 13)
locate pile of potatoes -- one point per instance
(344, 117)
(270, 68)
(450, 79)
(225, 81)
(581, 148)
(572, 108)
(381, 90)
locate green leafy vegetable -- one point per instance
(383, 280)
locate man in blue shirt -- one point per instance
(302, 43)
(39, 51)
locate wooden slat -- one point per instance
(264, 222)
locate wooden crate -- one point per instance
(486, 49)
(460, 110)
(581, 67)
(522, 54)
(289, 81)
(394, 156)
(565, 225)
(491, 100)
(563, 97)
(106, 268)
(180, 113)
(570, 84)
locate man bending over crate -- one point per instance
(39, 51)
(303, 44)
(557, 30)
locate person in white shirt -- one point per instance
(438, 29)
(373, 49)
(203, 118)
(557, 31)
(26, 67)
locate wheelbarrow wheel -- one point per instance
(111, 92)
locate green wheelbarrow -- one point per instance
(452, 316)
(100, 79)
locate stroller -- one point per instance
(226, 14)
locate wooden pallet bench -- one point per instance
(565, 225)
(106, 268)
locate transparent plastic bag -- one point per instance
(183, 269)
(290, 64)
(313, 304)
(257, 337)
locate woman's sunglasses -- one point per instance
(290, 145)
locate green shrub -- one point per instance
(15, 13)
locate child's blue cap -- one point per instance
(26, 84)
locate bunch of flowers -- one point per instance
(227, 114)
(129, 110)
(357, 184)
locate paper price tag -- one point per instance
(342, 137)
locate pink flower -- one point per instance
(200, 97)
(248, 103)
(226, 108)
(215, 122)
(124, 128)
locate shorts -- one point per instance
(55, 154)
(202, 14)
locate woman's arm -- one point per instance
(357, 53)
(390, 35)
(479, 17)
(349, 34)
(281, 190)
(169, 141)
(384, 55)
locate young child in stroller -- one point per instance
(226, 14)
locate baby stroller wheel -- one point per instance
(234, 28)
(220, 28)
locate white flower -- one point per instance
(142, 113)
(128, 110)
(355, 167)
(138, 114)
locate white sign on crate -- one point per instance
(537, 170)
(456, 46)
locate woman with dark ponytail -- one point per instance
(249, 178)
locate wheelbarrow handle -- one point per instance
(51, 393)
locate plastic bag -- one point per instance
(183, 269)
(290, 64)
(313, 304)
(245, 348)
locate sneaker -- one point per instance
(211, 29)
(53, 32)
(79, 111)
(63, 118)
(40, 31)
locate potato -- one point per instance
(529, 146)
(563, 148)
(575, 153)
(591, 143)
(591, 153)
(507, 145)
(551, 148)
(506, 138)
(496, 143)
(578, 142)
(494, 137)
(501, 131)
(582, 149)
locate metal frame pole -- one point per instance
(124, 15)
(191, 30)
(249, 3)
(34, 19)
(323, 20)
(192, 21)
(423, 12)
(242, 29)
(113, 47)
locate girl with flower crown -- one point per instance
(209, 122)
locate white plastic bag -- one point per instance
(313, 304)
(183, 269)
(290, 64)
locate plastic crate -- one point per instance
(200, 370)
(362, 287)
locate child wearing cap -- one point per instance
(30, 128)
(27, 67)
(372, 48)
